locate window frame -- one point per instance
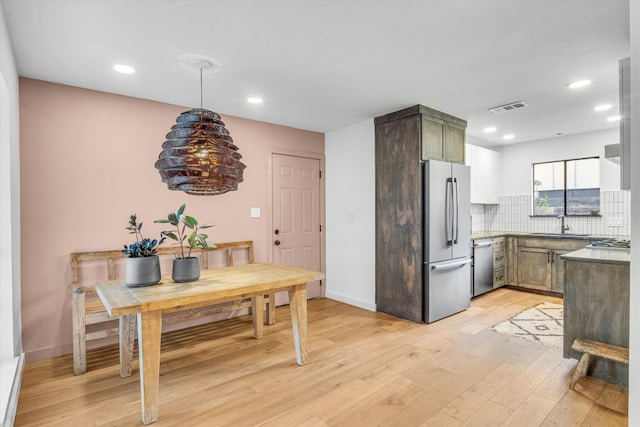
(564, 189)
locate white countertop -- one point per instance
(604, 255)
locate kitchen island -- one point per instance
(596, 306)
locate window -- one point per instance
(567, 187)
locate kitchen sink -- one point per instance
(561, 235)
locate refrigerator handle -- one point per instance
(448, 212)
(451, 265)
(456, 204)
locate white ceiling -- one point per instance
(323, 65)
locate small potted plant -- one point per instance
(143, 265)
(187, 234)
(542, 206)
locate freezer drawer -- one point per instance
(447, 286)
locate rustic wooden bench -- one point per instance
(91, 321)
(590, 348)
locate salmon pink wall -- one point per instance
(87, 164)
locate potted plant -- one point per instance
(542, 203)
(187, 233)
(142, 267)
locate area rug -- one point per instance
(541, 324)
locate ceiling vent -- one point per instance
(509, 107)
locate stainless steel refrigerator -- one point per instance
(447, 234)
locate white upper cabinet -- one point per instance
(485, 174)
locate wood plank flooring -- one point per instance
(365, 369)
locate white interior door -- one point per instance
(296, 233)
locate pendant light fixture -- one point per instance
(198, 156)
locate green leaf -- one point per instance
(189, 221)
(207, 225)
(181, 210)
(162, 221)
(173, 219)
(170, 235)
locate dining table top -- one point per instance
(214, 284)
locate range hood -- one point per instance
(619, 153)
(612, 152)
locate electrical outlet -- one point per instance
(614, 222)
(255, 212)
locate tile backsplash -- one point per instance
(513, 213)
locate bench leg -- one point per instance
(79, 335)
(581, 369)
(127, 333)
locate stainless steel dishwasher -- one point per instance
(482, 266)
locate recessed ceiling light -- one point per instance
(508, 136)
(580, 83)
(489, 129)
(602, 107)
(124, 69)
(254, 100)
(613, 118)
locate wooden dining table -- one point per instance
(219, 285)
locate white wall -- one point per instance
(350, 210)
(634, 332)
(11, 357)
(516, 159)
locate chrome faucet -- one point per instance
(564, 227)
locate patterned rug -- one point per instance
(541, 324)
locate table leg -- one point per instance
(298, 306)
(257, 312)
(271, 309)
(127, 333)
(149, 332)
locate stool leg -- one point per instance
(581, 369)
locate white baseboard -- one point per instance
(11, 390)
(367, 305)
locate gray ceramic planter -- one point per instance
(186, 269)
(143, 271)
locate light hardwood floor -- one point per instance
(365, 369)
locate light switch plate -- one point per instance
(255, 212)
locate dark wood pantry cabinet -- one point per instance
(402, 141)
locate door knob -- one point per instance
(277, 231)
(277, 243)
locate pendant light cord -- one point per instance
(201, 88)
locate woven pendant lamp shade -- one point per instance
(199, 156)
